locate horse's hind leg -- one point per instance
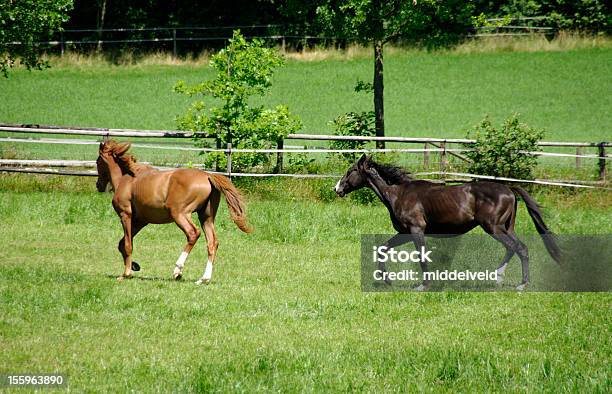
(192, 233)
(207, 220)
(513, 245)
(504, 264)
(508, 229)
(523, 253)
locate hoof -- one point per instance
(202, 281)
(521, 287)
(421, 288)
(177, 275)
(135, 266)
(500, 280)
(122, 277)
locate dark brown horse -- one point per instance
(421, 208)
(143, 195)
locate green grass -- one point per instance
(427, 94)
(284, 312)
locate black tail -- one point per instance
(536, 215)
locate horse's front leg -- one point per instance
(396, 240)
(125, 247)
(136, 227)
(418, 237)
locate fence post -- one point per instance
(218, 146)
(228, 152)
(61, 43)
(578, 154)
(602, 160)
(279, 157)
(174, 42)
(425, 157)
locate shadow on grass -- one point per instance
(149, 278)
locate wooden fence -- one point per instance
(442, 146)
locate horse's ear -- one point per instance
(362, 160)
(122, 148)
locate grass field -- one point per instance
(284, 312)
(426, 94)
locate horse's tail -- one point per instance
(233, 199)
(548, 237)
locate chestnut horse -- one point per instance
(421, 208)
(143, 195)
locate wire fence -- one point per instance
(190, 38)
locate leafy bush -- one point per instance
(354, 124)
(244, 68)
(300, 163)
(502, 151)
(364, 196)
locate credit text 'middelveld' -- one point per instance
(476, 262)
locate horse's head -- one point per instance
(354, 179)
(108, 153)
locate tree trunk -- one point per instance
(379, 106)
(101, 24)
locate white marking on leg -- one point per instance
(337, 185)
(208, 271)
(500, 273)
(180, 263)
(207, 274)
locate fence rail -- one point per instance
(111, 132)
(42, 168)
(440, 146)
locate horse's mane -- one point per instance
(393, 175)
(126, 161)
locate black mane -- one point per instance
(393, 175)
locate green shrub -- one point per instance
(502, 151)
(354, 124)
(364, 196)
(326, 192)
(300, 163)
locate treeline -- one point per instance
(304, 17)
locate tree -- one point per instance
(244, 69)
(27, 22)
(377, 22)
